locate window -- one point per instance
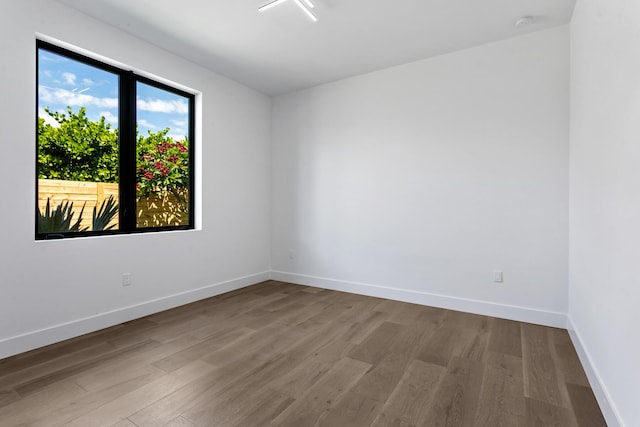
(114, 149)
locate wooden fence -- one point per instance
(152, 211)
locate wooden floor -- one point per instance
(277, 354)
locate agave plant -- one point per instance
(108, 210)
(60, 219)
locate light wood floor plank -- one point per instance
(243, 394)
(585, 406)
(304, 375)
(71, 409)
(266, 409)
(367, 324)
(543, 414)
(64, 349)
(364, 402)
(506, 337)
(124, 423)
(455, 400)
(214, 342)
(378, 344)
(127, 365)
(441, 348)
(128, 404)
(39, 370)
(42, 402)
(569, 365)
(541, 378)
(501, 402)
(408, 404)
(315, 402)
(8, 396)
(170, 407)
(282, 354)
(178, 422)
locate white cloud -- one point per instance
(109, 117)
(181, 123)
(87, 82)
(47, 118)
(147, 124)
(162, 106)
(74, 99)
(176, 137)
(69, 78)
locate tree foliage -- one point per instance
(78, 149)
(162, 165)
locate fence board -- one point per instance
(153, 211)
(80, 193)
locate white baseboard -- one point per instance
(35, 339)
(609, 410)
(511, 312)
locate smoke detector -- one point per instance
(525, 21)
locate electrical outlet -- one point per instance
(126, 279)
(497, 276)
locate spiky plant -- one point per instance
(60, 219)
(108, 210)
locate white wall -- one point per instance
(605, 200)
(416, 182)
(55, 289)
(413, 183)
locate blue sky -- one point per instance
(65, 82)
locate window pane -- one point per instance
(162, 155)
(77, 164)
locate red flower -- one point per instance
(173, 159)
(162, 148)
(158, 165)
(181, 147)
(137, 185)
(148, 175)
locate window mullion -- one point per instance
(127, 151)
(142, 155)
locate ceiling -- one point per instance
(281, 50)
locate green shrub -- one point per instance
(108, 210)
(162, 166)
(59, 220)
(77, 149)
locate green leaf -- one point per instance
(108, 210)
(60, 220)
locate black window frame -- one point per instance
(127, 145)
